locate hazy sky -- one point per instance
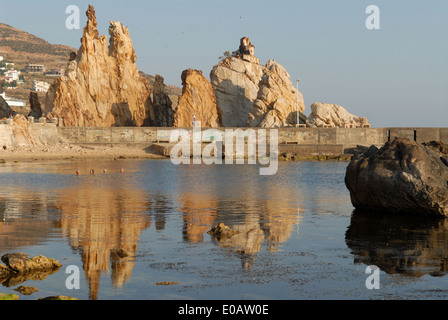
(395, 76)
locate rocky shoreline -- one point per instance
(64, 151)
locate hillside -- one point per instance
(22, 47)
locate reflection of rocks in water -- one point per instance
(199, 212)
(160, 209)
(273, 225)
(257, 214)
(16, 227)
(247, 242)
(397, 244)
(101, 222)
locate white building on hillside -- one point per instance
(40, 86)
(13, 102)
(1, 58)
(13, 74)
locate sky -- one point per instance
(396, 76)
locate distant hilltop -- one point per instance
(24, 48)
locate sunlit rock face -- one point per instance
(254, 95)
(197, 100)
(102, 86)
(334, 116)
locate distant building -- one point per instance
(13, 74)
(56, 72)
(40, 86)
(1, 58)
(35, 68)
(13, 102)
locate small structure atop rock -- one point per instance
(247, 51)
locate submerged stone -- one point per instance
(19, 268)
(26, 291)
(221, 232)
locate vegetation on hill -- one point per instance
(20, 41)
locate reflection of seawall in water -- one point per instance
(410, 246)
(99, 220)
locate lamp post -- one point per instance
(298, 107)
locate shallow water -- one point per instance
(299, 238)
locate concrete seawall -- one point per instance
(348, 138)
(295, 140)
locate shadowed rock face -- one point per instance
(5, 109)
(102, 86)
(36, 108)
(161, 111)
(401, 177)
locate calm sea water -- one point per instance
(299, 238)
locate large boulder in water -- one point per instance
(401, 177)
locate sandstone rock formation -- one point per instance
(161, 111)
(278, 103)
(401, 177)
(102, 86)
(331, 115)
(23, 136)
(250, 94)
(197, 100)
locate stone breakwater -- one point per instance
(292, 141)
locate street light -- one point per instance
(298, 106)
